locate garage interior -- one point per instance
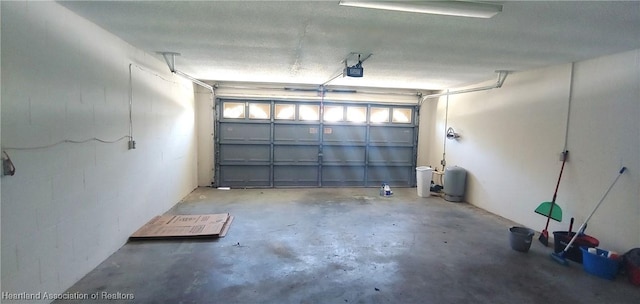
(290, 115)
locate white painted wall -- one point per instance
(511, 139)
(72, 205)
(605, 135)
(204, 126)
(427, 134)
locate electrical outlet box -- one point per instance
(564, 156)
(132, 144)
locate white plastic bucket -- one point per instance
(423, 179)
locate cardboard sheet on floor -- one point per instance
(185, 226)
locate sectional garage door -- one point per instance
(307, 144)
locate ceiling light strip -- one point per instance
(449, 8)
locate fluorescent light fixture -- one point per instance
(450, 8)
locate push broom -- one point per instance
(560, 256)
(547, 208)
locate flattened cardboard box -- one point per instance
(197, 225)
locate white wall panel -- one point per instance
(70, 206)
(511, 139)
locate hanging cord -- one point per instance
(70, 141)
(104, 141)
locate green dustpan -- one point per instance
(556, 213)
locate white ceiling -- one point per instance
(304, 42)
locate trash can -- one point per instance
(423, 179)
(455, 179)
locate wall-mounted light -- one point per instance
(451, 134)
(449, 8)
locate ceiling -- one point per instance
(304, 42)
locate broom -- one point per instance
(544, 235)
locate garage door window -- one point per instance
(333, 113)
(259, 111)
(285, 111)
(357, 114)
(233, 110)
(379, 115)
(309, 112)
(401, 115)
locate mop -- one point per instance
(560, 256)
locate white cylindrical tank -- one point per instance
(455, 180)
(423, 181)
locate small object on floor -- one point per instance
(377, 289)
(385, 190)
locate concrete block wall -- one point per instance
(511, 139)
(70, 206)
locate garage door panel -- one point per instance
(245, 153)
(295, 176)
(391, 155)
(244, 176)
(238, 132)
(290, 133)
(299, 145)
(391, 136)
(343, 176)
(343, 155)
(295, 154)
(348, 135)
(395, 176)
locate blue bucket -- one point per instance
(599, 264)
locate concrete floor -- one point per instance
(346, 246)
